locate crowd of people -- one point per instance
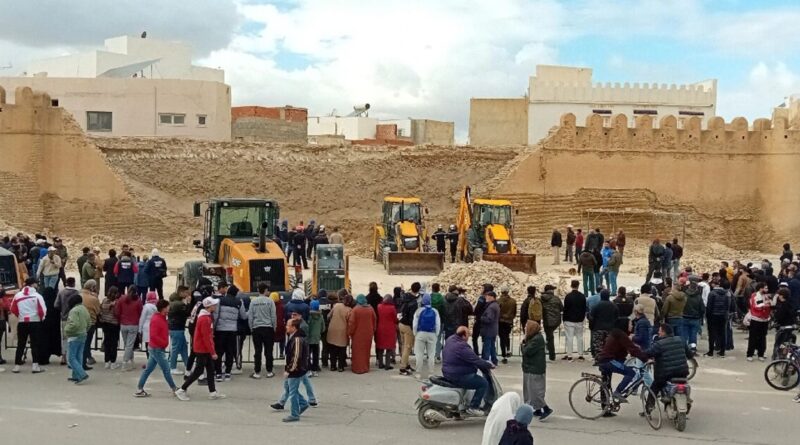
(664, 317)
(299, 242)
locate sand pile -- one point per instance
(472, 276)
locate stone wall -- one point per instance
(730, 181)
(426, 131)
(498, 121)
(260, 129)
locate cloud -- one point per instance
(766, 87)
(208, 24)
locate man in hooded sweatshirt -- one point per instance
(125, 270)
(29, 307)
(297, 304)
(456, 312)
(693, 311)
(262, 319)
(552, 307)
(226, 327)
(672, 311)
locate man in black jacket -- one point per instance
(671, 354)
(452, 236)
(555, 245)
(655, 258)
(574, 315)
(407, 310)
(720, 303)
(602, 319)
(296, 368)
(480, 306)
(456, 312)
(310, 232)
(440, 236)
(299, 247)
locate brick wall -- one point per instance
(289, 114)
(386, 131)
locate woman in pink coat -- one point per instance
(386, 334)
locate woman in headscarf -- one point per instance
(337, 335)
(386, 334)
(502, 411)
(361, 328)
(51, 327)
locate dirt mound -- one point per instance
(472, 276)
(341, 186)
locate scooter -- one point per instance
(678, 402)
(442, 401)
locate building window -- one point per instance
(650, 112)
(601, 111)
(98, 121)
(172, 119)
(691, 113)
(53, 102)
(201, 120)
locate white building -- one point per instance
(556, 90)
(353, 128)
(135, 87)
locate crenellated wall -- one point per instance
(727, 172)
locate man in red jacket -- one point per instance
(203, 346)
(159, 340)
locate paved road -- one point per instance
(733, 405)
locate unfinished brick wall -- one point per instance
(385, 131)
(269, 124)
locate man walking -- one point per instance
(262, 319)
(586, 265)
(203, 348)
(508, 312)
(296, 368)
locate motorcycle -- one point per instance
(678, 402)
(442, 401)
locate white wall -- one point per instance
(175, 60)
(353, 128)
(136, 103)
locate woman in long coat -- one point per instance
(386, 334)
(361, 328)
(337, 336)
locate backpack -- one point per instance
(427, 320)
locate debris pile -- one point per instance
(472, 276)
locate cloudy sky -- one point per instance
(426, 59)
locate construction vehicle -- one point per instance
(10, 272)
(400, 239)
(330, 270)
(486, 232)
(239, 246)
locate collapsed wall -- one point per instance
(726, 183)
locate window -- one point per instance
(53, 102)
(172, 119)
(98, 121)
(201, 120)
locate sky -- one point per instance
(426, 59)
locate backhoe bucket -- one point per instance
(414, 263)
(520, 262)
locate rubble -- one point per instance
(472, 276)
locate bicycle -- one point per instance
(597, 401)
(692, 363)
(783, 374)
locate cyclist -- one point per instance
(611, 359)
(670, 354)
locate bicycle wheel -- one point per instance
(782, 375)
(589, 398)
(692, 362)
(651, 408)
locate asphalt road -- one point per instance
(732, 405)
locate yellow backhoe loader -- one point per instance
(486, 232)
(400, 239)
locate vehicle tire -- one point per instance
(190, 275)
(653, 414)
(692, 362)
(587, 396)
(423, 419)
(680, 421)
(782, 375)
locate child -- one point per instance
(206, 355)
(144, 320)
(316, 327)
(159, 340)
(516, 432)
(533, 370)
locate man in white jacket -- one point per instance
(29, 307)
(49, 268)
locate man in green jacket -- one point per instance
(534, 366)
(508, 312)
(78, 322)
(437, 303)
(88, 270)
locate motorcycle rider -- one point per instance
(460, 367)
(670, 355)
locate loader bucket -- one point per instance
(520, 262)
(414, 263)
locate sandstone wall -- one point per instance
(731, 182)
